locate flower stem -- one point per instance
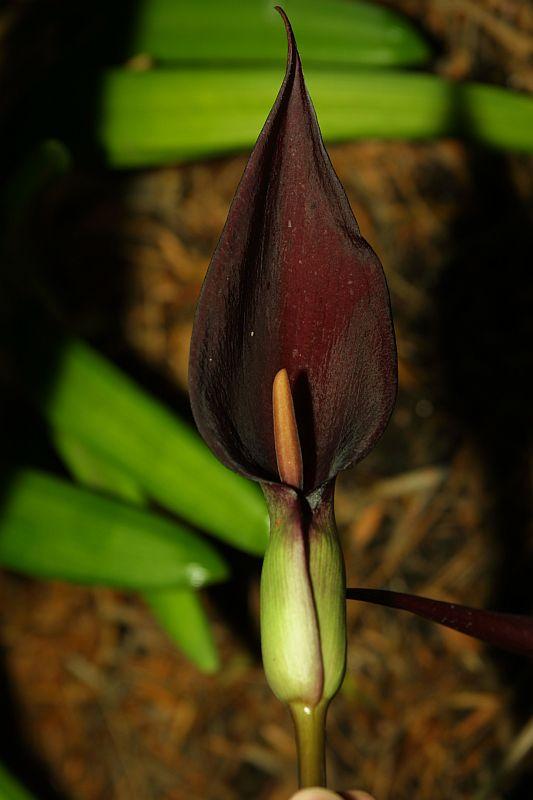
(310, 724)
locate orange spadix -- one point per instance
(286, 439)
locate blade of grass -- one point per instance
(329, 31)
(51, 529)
(165, 115)
(178, 610)
(10, 789)
(85, 396)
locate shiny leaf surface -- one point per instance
(178, 610)
(166, 115)
(330, 32)
(51, 529)
(85, 397)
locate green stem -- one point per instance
(310, 724)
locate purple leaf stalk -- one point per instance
(292, 379)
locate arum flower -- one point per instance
(293, 378)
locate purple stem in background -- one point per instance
(509, 631)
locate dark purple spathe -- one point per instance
(292, 284)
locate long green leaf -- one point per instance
(328, 31)
(97, 473)
(10, 789)
(86, 397)
(181, 613)
(51, 529)
(178, 610)
(166, 115)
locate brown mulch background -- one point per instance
(106, 705)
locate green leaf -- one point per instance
(85, 397)
(51, 529)
(181, 613)
(166, 115)
(178, 610)
(10, 789)
(328, 31)
(96, 473)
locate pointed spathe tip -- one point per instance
(285, 18)
(291, 41)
